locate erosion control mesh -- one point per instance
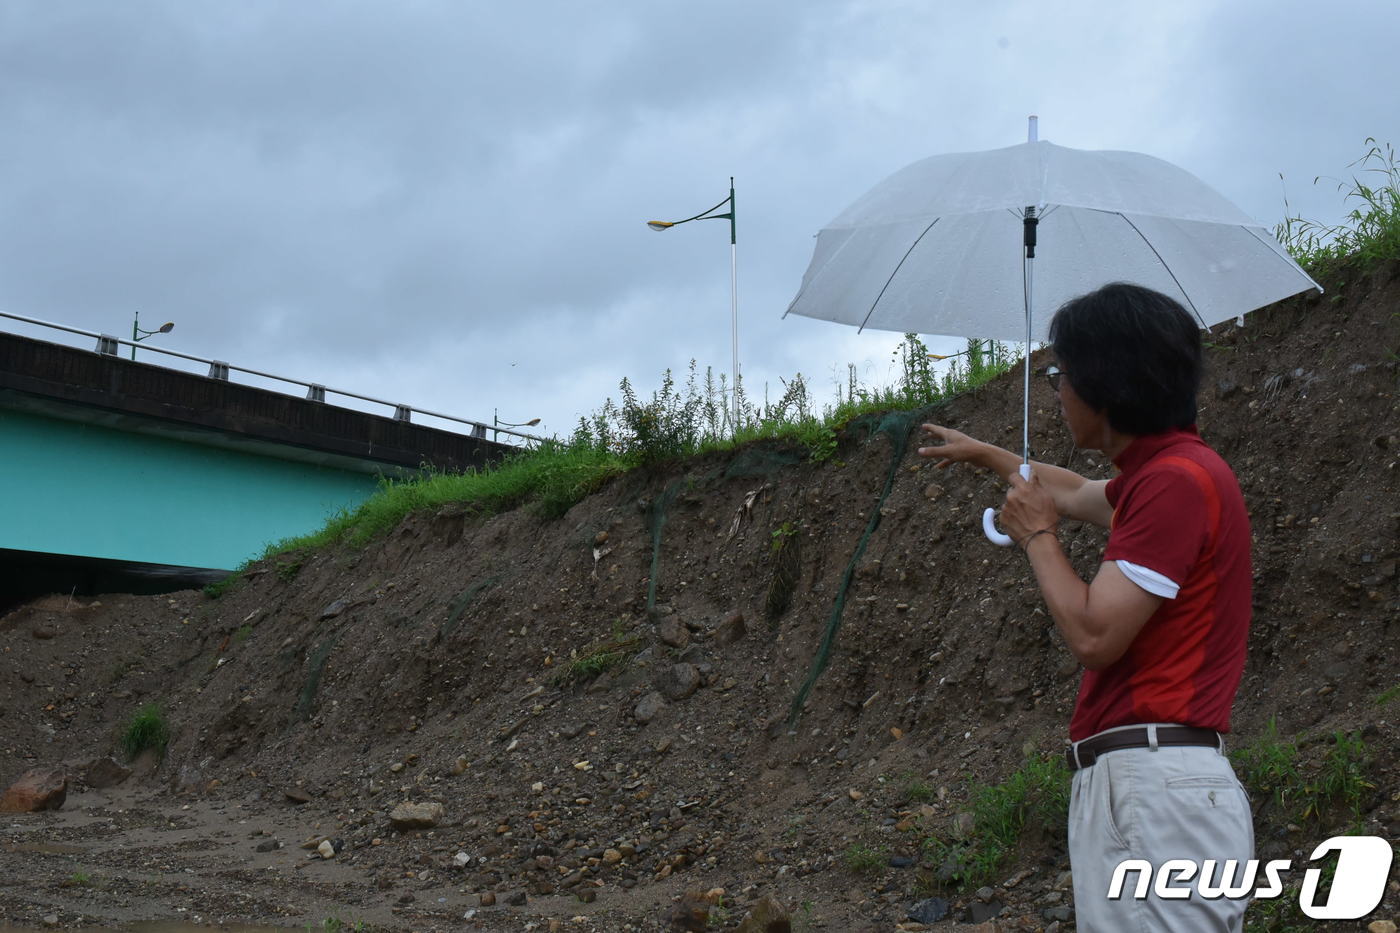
(656, 518)
(763, 462)
(316, 666)
(898, 425)
(459, 606)
(756, 461)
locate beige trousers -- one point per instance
(1156, 805)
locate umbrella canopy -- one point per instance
(936, 248)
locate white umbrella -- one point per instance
(946, 246)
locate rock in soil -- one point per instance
(36, 789)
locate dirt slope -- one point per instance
(427, 668)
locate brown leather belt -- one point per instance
(1083, 754)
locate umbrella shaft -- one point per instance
(1026, 387)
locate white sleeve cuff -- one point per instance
(1150, 580)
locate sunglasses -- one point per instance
(1052, 376)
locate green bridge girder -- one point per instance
(91, 491)
(115, 463)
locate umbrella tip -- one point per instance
(1033, 131)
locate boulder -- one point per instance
(678, 681)
(767, 916)
(690, 915)
(731, 629)
(105, 772)
(671, 631)
(37, 789)
(649, 706)
(417, 815)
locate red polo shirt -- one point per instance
(1177, 510)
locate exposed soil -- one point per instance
(427, 668)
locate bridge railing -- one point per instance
(219, 369)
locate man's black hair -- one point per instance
(1132, 353)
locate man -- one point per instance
(1161, 628)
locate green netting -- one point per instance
(754, 461)
(460, 604)
(317, 664)
(657, 513)
(761, 461)
(898, 425)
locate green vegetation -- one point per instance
(675, 422)
(781, 534)
(220, 587)
(865, 859)
(242, 634)
(806, 918)
(718, 914)
(146, 730)
(1271, 770)
(1370, 232)
(786, 549)
(1268, 767)
(552, 477)
(1388, 695)
(917, 791)
(1278, 915)
(81, 879)
(599, 658)
(590, 665)
(1282, 914)
(287, 570)
(1035, 798)
(1341, 778)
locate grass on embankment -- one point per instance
(676, 423)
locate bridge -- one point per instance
(126, 475)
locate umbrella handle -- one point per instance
(989, 525)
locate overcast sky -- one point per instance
(443, 203)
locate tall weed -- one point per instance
(1369, 234)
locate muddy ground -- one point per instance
(433, 667)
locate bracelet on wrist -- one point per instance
(1026, 541)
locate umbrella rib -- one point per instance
(866, 319)
(1175, 280)
(1301, 271)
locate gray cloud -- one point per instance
(442, 203)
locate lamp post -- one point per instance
(138, 335)
(733, 282)
(496, 423)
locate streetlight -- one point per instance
(496, 423)
(138, 335)
(733, 280)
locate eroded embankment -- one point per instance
(442, 664)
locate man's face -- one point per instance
(1087, 427)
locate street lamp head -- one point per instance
(166, 328)
(532, 422)
(659, 224)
